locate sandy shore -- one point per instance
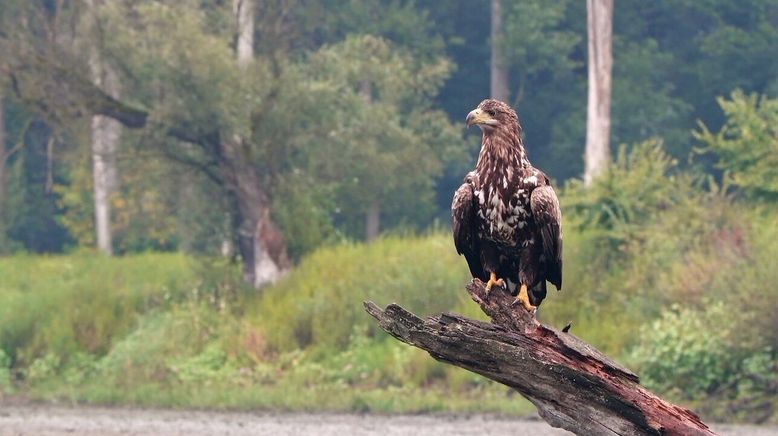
(58, 420)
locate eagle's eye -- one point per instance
(491, 112)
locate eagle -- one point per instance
(506, 216)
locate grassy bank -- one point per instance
(167, 330)
(170, 330)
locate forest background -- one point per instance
(145, 144)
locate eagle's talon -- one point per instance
(493, 280)
(523, 298)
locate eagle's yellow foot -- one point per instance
(493, 280)
(523, 299)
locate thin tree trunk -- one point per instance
(373, 213)
(105, 136)
(599, 19)
(499, 70)
(105, 139)
(243, 12)
(3, 159)
(373, 221)
(5, 155)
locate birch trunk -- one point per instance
(599, 19)
(105, 139)
(499, 70)
(244, 20)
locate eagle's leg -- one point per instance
(493, 280)
(523, 298)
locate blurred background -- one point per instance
(197, 195)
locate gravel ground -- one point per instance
(89, 421)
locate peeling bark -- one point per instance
(573, 385)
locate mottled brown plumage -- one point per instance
(506, 216)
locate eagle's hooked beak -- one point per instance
(478, 117)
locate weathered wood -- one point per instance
(572, 384)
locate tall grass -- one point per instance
(320, 303)
(82, 303)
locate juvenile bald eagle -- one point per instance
(506, 216)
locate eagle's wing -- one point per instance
(548, 216)
(463, 210)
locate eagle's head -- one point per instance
(493, 116)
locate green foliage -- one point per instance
(378, 123)
(62, 305)
(203, 350)
(321, 302)
(711, 343)
(342, 109)
(685, 353)
(327, 131)
(536, 40)
(640, 181)
(645, 102)
(695, 354)
(747, 144)
(206, 341)
(300, 106)
(44, 367)
(5, 373)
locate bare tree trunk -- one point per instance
(244, 19)
(499, 70)
(106, 132)
(373, 221)
(599, 19)
(243, 11)
(260, 242)
(373, 213)
(262, 245)
(105, 139)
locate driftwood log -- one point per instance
(573, 385)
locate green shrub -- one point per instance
(687, 352)
(5, 373)
(642, 181)
(747, 144)
(63, 305)
(713, 348)
(178, 344)
(320, 302)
